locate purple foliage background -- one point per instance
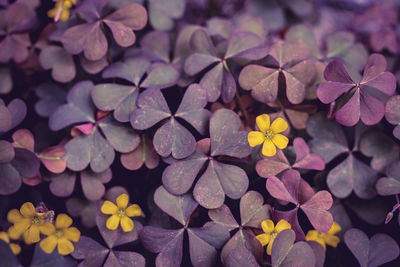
(166, 93)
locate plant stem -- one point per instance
(242, 108)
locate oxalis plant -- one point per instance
(168, 133)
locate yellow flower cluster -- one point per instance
(30, 224)
(327, 238)
(269, 135)
(61, 10)
(270, 232)
(120, 213)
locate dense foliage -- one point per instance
(202, 133)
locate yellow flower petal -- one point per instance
(15, 248)
(113, 222)
(312, 235)
(268, 148)
(263, 122)
(22, 225)
(65, 246)
(282, 225)
(109, 208)
(280, 141)
(14, 216)
(269, 247)
(335, 228)
(65, 14)
(122, 201)
(267, 226)
(32, 235)
(72, 234)
(279, 125)
(47, 228)
(264, 239)
(126, 224)
(332, 240)
(63, 221)
(133, 210)
(27, 210)
(13, 233)
(4, 237)
(49, 244)
(255, 138)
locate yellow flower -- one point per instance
(27, 222)
(270, 232)
(328, 238)
(120, 213)
(61, 236)
(269, 135)
(15, 248)
(61, 10)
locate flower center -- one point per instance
(321, 235)
(269, 134)
(273, 234)
(121, 212)
(35, 219)
(59, 233)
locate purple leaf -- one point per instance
(271, 166)
(7, 152)
(93, 66)
(17, 109)
(220, 179)
(85, 209)
(178, 207)
(26, 162)
(162, 13)
(319, 253)
(92, 183)
(144, 153)
(173, 138)
(252, 209)
(5, 119)
(390, 185)
(62, 185)
(51, 97)
(87, 38)
(240, 43)
(120, 98)
(125, 258)
(59, 61)
(132, 69)
(328, 137)
(91, 252)
(305, 160)
(371, 211)
(379, 250)
(40, 258)
(117, 237)
(213, 81)
(352, 174)
(124, 20)
(204, 242)
(161, 76)
(241, 256)
(392, 114)
(179, 176)
(10, 179)
(168, 243)
(286, 253)
(90, 149)
(121, 138)
(192, 109)
(78, 110)
(380, 147)
(242, 239)
(225, 138)
(157, 44)
(278, 190)
(223, 216)
(152, 109)
(7, 255)
(317, 212)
